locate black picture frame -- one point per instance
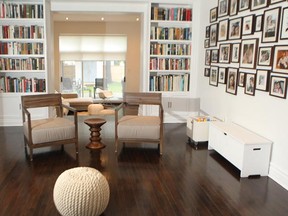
(213, 14)
(244, 5)
(213, 35)
(249, 49)
(207, 33)
(222, 75)
(262, 80)
(223, 26)
(276, 1)
(265, 56)
(280, 59)
(241, 79)
(224, 53)
(284, 24)
(207, 72)
(248, 25)
(232, 78)
(258, 23)
(270, 26)
(214, 55)
(235, 27)
(235, 52)
(278, 86)
(250, 81)
(207, 57)
(256, 5)
(233, 9)
(213, 78)
(223, 8)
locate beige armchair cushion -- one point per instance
(50, 129)
(139, 127)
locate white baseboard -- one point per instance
(278, 175)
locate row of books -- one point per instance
(169, 82)
(22, 84)
(19, 48)
(169, 64)
(18, 10)
(22, 64)
(21, 32)
(170, 33)
(175, 14)
(170, 49)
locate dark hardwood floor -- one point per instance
(184, 181)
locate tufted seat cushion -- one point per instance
(139, 127)
(50, 129)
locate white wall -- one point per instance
(262, 113)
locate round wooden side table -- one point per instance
(95, 128)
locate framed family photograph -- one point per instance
(206, 43)
(235, 26)
(213, 15)
(222, 75)
(214, 56)
(278, 86)
(284, 25)
(276, 1)
(207, 72)
(231, 84)
(271, 25)
(213, 35)
(241, 79)
(280, 60)
(255, 5)
(223, 30)
(250, 84)
(213, 80)
(265, 56)
(224, 53)
(235, 53)
(262, 80)
(233, 7)
(249, 48)
(207, 57)
(223, 8)
(258, 23)
(244, 5)
(247, 26)
(207, 33)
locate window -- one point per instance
(90, 62)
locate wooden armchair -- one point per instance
(51, 131)
(134, 128)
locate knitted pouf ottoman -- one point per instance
(81, 191)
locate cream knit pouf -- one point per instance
(81, 191)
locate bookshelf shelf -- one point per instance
(170, 47)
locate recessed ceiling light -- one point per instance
(137, 19)
(102, 18)
(67, 18)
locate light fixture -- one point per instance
(102, 18)
(67, 18)
(137, 19)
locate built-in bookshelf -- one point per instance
(22, 47)
(170, 47)
(23, 59)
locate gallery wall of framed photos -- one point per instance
(246, 46)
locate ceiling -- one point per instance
(94, 16)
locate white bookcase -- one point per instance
(170, 53)
(23, 65)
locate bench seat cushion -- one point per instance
(139, 127)
(50, 129)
